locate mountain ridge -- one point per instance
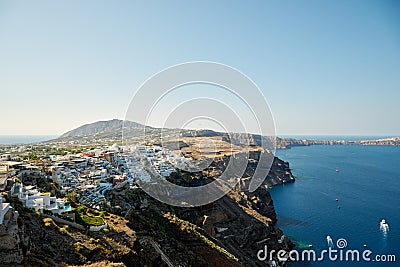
(100, 127)
(115, 128)
(130, 131)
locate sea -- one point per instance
(343, 191)
(24, 139)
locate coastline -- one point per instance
(8, 140)
(284, 143)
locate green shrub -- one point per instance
(82, 217)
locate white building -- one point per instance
(4, 208)
(32, 198)
(3, 177)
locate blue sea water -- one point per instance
(367, 187)
(24, 139)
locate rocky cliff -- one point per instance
(11, 240)
(228, 232)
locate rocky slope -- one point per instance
(36, 240)
(228, 232)
(11, 243)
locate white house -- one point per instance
(32, 198)
(4, 208)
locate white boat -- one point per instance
(384, 226)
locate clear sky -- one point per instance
(326, 67)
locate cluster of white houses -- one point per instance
(90, 175)
(163, 161)
(32, 198)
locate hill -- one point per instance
(112, 131)
(101, 128)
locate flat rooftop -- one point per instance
(10, 163)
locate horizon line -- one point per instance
(277, 135)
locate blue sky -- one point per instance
(325, 67)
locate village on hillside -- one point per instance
(45, 179)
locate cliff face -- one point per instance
(225, 233)
(280, 173)
(238, 227)
(11, 253)
(241, 223)
(26, 240)
(260, 200)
